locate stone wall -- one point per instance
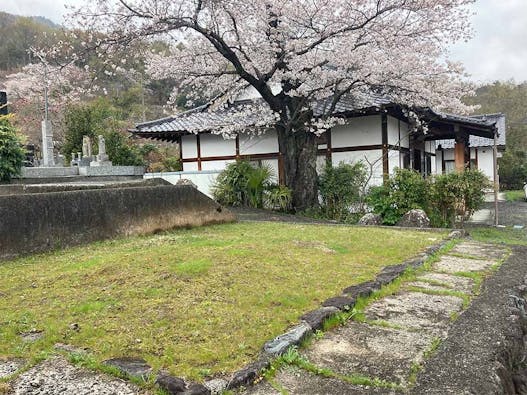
(45, 221)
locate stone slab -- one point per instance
(427, 286)
(294, 336)
(47, 172)
(91, 171)
(416, 311)
(454, 264)
(57, 376)
(299, 382)
(374, 351)
(480, 250)
(457, 283)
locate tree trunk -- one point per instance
(299, 154)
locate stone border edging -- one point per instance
(313, 320)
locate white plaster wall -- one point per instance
(448, 154)
(189, 146)
(216, 145)
(357, 132)
(215, 164)
(438, 163)
(190, 166)
(393, 133)
(356, 156)
(430, 146)
(264, 144)
(486, 161)
(204, 180)
(393, 160)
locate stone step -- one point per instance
(416, 311)
(456, 283)
(369, 350)
(300, 382)
(480, 250)
(454, 264)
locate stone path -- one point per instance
(382, 353)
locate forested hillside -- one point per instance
(17, 35)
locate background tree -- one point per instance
(509, 98)
(293, 53)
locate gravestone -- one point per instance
(102, 157)
(87, 157)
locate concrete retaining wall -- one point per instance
(45, 221)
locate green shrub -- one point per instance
(341, 188)
(405, 190)
(12, 154)
(457, 194)
(278, 197)
(120, 151)
(242, 184)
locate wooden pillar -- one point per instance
(496, 179)
(329, 153)
(198, 143)
(459, 155)
(384, 140)
(281, 170)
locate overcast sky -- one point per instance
(497, 51)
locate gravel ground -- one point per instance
(252, 214)
(57, 376)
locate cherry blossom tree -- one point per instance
(27, 88)
(293, 53)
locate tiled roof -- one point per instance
(206, 119)
(484, 120)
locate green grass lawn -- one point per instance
(506, 235)
(197, 302)
(515, 196)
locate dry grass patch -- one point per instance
(197, 302)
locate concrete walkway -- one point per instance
(382, 352)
